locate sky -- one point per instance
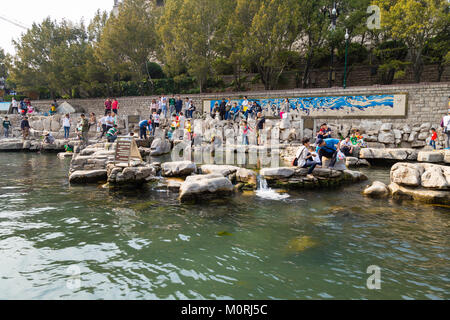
(28, 11)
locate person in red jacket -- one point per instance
(433, 138)
(115, 106)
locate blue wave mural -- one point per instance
(309, 104)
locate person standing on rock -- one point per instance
(115, 106)
(84, 124)
(6, 126)
(14, 106)
(163, 103)
(102, 124)
(261, 120)
(178, 105)
(222, 109)
(445, 124)
(108, 106)
(66, 125)
(25, 127)
(143, 125)
(172, 104)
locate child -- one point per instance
(315, 156)
(188, 129)
(433, 138)
(6, 126)
(245, 129)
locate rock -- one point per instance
(423, 136)
(199, 186)
(388, 153)
(425, 128)
(436, 177)
(419, 194)
(355, 162)
(87, 176)
(406, 174)
(418, 144)
(224, 170)
(64, 155)
(248, 177)
(277, 173)
(160, 147)
(11, 145)
(386, 137)
(406, 129)
(431, 156)
(354, 176)
(174, 185)
(178, 169)
(412, 136)
(397, 134)
(55, 125)
(376, 189)
(386, 127)
(120, 175)
(447, 156)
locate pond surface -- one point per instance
(142, 244)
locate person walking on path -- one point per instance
(6, 126)
(66, 124)
(172, 104)
(84, 124)
(163, 103)
(108, 106)
(222, 109)
(445, 124)
(14, 106)
(115, 106)
(433, 138)
(25, 127)
(178, 105)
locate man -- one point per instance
(445, 124)
(328, 148)
(178, 105)
(163, 103)
(304, 158)
(14, 106)
(222, 109)
(109, 121)
(84, 124)
(25, 127)
(108, 106)
(6, 126)
(172, 104)
(261, 120)
(102, 123)
(324, 132)
(48, 138)
(112, 134)
(191, 109)
(143, 125)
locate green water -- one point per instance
(142, 244)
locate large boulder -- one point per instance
(200, 186)
(178, 169)
(119, 175)
(87, 176)
(436, 177)
(246, 176)
(406, 174)
(11, 144)
(386, 137)
(159, 147)
(376, 189)
(388, 154)
(420, 194)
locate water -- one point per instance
(265, 192)
(142, 244)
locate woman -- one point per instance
(66, 125)
(285, 107)
(154, 106)
(305, 158)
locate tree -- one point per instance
(51, 57)
(436, 50)
(3, 69)
(414, 23)
(273, 32)
(189, 33)
(127, 42)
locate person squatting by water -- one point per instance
(304, 158)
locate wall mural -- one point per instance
(371, 105)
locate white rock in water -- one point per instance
(88, 176)
(205, 185)
(406, 174)
(159, 147)
(430, 156)
(376, 189)
(277, 173)
(179, 168)
(223, 170)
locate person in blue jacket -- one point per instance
(328, 148)
(143, 125)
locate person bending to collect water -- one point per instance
(328, 148)
(305, 158)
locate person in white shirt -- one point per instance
(66, 122)
(102, 123)
(304, 158)
(445, 124)
(14, 106)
